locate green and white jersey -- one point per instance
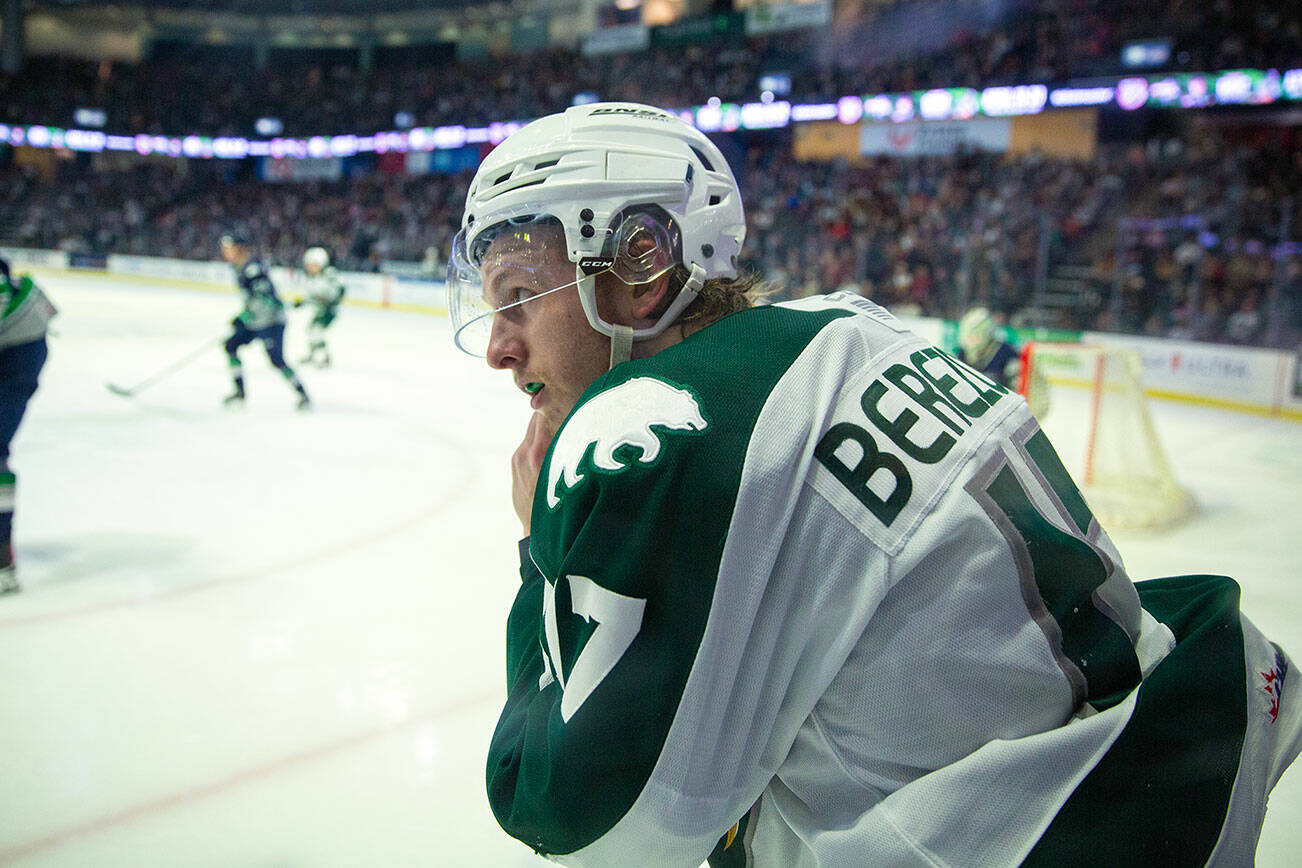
(25, 312)
(262, 306)
(324, 290)
(803, 590)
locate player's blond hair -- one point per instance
(718, 296)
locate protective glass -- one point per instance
(523, 258)
(503, 267)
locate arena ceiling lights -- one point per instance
(1179, 91)
(284, 7)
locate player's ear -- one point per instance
(650, 298)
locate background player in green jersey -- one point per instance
(25, 314)
(798, 588)
(325, 292)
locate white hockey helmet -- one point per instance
(635, 192)
(976, 330)
(316, 257)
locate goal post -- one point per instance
(1122, 468)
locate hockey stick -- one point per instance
(132, 391)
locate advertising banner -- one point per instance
(1237, 377)
(1071, 134)
(90, 261)
(306, 169)
(171, 269)
(445, 162)
(22, 257)
(787, 16)
(935, 138)
(618, 39)
(824, 141)
(702, 29)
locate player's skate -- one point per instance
(304, 403)
(8, 581)
(234, 399)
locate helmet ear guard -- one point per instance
(643, 248)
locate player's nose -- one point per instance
(505, 345)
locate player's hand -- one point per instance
(525, 464)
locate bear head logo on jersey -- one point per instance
(622, 416)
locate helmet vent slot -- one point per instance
(709, 167)
(529, 184)
(546, 164)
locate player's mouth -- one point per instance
(535, 390)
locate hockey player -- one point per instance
(25, 314)
(799, 589)
(263, 318)
(980, 347)
(325, 292)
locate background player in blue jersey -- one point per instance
(25, 313)
(980, 347)
(263, 318)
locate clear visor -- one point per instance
(525, 258)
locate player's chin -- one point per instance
(554, 413)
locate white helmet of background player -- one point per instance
(315, 259)
(976, 330)
(636, 192)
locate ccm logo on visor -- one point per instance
(593, 264)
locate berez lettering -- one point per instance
(939, 393)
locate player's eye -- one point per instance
(514, 295)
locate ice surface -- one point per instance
(257, 637)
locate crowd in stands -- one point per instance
(170, 208)
(1188, 235)
(880, 48)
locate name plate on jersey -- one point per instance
(898, 436)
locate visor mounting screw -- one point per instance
(707, 250)
(587, 231)
(586, 215)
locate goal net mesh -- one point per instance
(1122, 470)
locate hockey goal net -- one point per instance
(1099, 412)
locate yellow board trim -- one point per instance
(1198, 400)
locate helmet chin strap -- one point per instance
(622, 336)
(621, 344)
